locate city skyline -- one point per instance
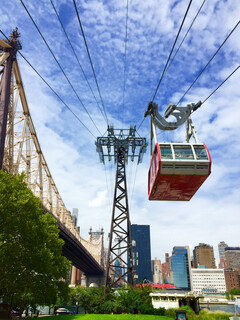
(215, 252)
(213, 213)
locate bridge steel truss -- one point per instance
(20, 151)
(120, 144)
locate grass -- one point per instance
(108, 317)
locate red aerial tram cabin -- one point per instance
(177, 170)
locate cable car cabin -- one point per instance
(177, 171)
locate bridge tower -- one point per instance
(9, 50)
(120, 144)
(20, 151)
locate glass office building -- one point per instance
(180, 264)
(141, 252)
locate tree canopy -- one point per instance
(31, 261)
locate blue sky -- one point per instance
(213, 213)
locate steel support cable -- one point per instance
(221, 84)
(170, 54)
(141, 123)
(125, 60)
(52, 89)
(85, 41)
(60, 66)
(185, 35)
(190, 2)
(57, 95)
(203, 68)
(74, 52)
(216, 87)
(208, 62)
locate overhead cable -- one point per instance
(141, 123)
(185, 35)
(208, 63)
(51, 88)
(85, 41)
(221, 84)
(74, 52)
(57, 94)
(190, 2)
(125, 59)
(60, 66)
(164, 70)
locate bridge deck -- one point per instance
(74, 251)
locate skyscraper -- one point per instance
(157, 271)
(75, 216)
(166, 269)
(221, 249)
(204, 256)
(232, 258)
(141, 252)
(180, 265)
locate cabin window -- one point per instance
(201, 153)
(183, 152)
(166, 152)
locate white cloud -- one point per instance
(100, 200)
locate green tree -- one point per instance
(235, 291)
(144, 293)
(128, 301)
(31, 261)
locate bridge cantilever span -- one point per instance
(20, 151)
(75, 252)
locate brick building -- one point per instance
(232, 278)
(204, 256)
(232, 258)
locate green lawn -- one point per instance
(108, 317)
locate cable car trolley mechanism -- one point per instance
(177, 170)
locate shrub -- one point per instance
(188, 309)
(146, 309)
(160, 311)
(170, 313)
(213, 315)
(107, 307)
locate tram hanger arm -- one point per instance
(180, 113)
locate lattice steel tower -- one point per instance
(120, 144)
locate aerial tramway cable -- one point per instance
(57, 95)
(85, 41)
(74, 52)
(170, 54)
(190, 2)
(204, 70)
(60, 66)
(221, 84)
(125, 59)
(208, 62)
(185, 35)
(52, 89)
